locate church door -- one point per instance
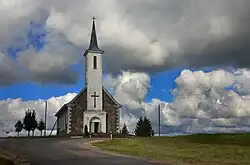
(95, 125)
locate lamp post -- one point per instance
(45, 117)
(159, 119)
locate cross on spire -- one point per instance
(95, 96)
(93, 18)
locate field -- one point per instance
(202, 149)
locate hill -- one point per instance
(202, 149)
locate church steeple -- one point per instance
(93, 40)
(93, 45)
(93, 73)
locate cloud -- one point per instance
(140, 36)
(174, 33)
(7, 70)
(12, 110)
(51, 64)
(201, 104)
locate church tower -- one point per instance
(93, 73)
(93, 107)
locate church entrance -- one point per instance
(95, 125)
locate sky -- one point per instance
(191, 57)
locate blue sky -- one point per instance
(161, 85)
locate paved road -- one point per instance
(66, 152)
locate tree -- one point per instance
(33, 122)
(86, 132)
(148, 127)
(144, 128)
(27, 121)
(19, 127)
(41, 126)
(139, 127)
(124, 130)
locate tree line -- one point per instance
(30, 123)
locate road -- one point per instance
(66, 152)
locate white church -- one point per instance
(94, 106)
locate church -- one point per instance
(94, 106)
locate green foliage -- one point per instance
(125, 130)
(86, 132)
(33, 121)
(18, 127)
(29, 121)
(41, 126)
(144, 127)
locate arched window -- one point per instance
(95, 62)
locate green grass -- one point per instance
(4, 161)
(202, 149)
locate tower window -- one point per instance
(95, 62)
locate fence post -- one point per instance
(111, 136)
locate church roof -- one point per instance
(118, 105)
(93, 46)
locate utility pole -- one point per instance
(45, 118)
(159, 119)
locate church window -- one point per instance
(95, 62)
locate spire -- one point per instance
(93, 41)
(93, 46)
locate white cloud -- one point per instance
(143, 36)
(201, 103)
(12, 110)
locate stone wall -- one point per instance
(80, 105)
(112, 113)
(61, 122)
(77, 114)
(62, 132)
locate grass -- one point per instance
(201, 149)
(4, 161)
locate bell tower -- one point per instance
(93, 72)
